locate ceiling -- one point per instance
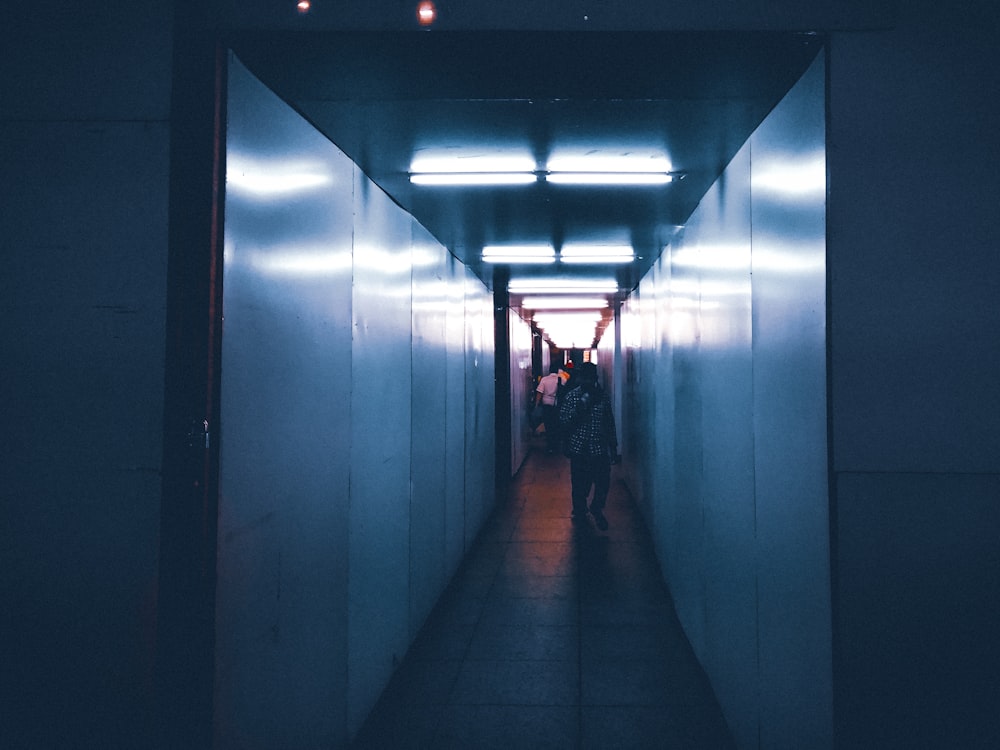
(386, 97)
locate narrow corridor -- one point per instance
(551, 636)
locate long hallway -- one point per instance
(551, 636)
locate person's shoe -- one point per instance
(599, 519)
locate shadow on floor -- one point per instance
(551, 635)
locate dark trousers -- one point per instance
(550, 416)
(586, 472)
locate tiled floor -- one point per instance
(551, 636)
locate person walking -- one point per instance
(545, 394)
(591, 443)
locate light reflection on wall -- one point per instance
(799, 258)
(296, 261)
(803, 178)
(265, 178)
(303, 261)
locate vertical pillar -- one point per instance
(188, 515)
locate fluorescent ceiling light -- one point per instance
(562, 285)
(595, 162)
(519, 254)
(473, 169)
(597, 254)
(567, 319)
(608, 169)
(474, 178)
(564, 303)
(473, 163)
(608, 178)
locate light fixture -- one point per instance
(519, 254)
(473, 178)
(608, 178)
(473, 169)
(564, 303)
(557, 285)
(608, 169)
(575, 253)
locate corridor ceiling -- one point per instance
(385, 98)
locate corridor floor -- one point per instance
(551, 635)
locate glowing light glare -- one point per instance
(426, 13)
(519, 254)
(568, 330)
(303, 6)
(564, 303)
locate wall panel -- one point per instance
(380, 446)
(455, 411)
(789, 366)
(522, 390)
(281, 605)
(731, 361)
(357, 455)
(479, 406)
(717, 242)
(428, 562)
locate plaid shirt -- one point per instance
(588, 423)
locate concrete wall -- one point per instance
(335, 527)
(729, 387)
(84, 137)
(914, 271)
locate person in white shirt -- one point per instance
(545, 394)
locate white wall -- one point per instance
(357, 432)
(726, 377)
(522, 390)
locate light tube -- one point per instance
(608, 178)
(439, 179)
(560, 285)
(519, 254)
(564, 303)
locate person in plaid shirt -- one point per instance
(591, 442)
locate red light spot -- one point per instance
(426, 13)
(304, 6)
